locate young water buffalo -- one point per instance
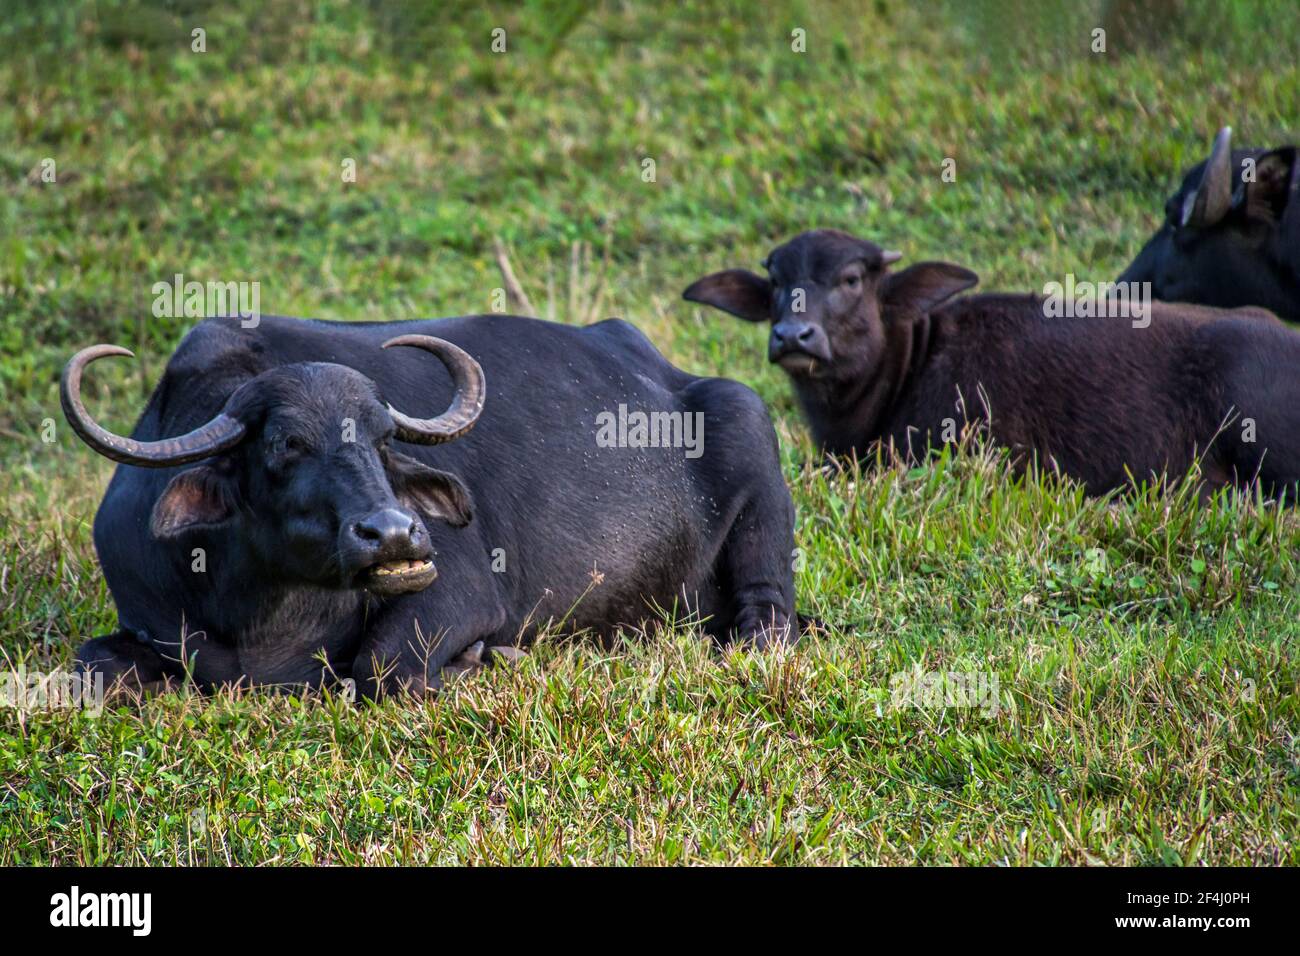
(878, 356)
(275, 521)
(1231, 234)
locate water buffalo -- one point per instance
(1231, 234)
(881, 356)
(275, 521)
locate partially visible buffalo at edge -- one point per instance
(1231, 233)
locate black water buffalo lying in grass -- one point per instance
(1231, 234)
(274, 521)
(877, 356)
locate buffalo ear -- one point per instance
(196, 498)
(738, 291)
(1267, 196)
(926, 285)
(429, 491)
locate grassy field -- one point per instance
(1144, 649)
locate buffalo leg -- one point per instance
(758, 568)
(754, 570)
(402, 654)
(125, 662)
(398, 663)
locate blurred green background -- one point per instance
(226, 165)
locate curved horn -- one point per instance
(216, 436)
(1213, 197)
(466, 404)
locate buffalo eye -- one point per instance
(771, 274)
(288, 447)
(851, 281)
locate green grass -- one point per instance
(1145, 648)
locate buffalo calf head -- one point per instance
(830, 298)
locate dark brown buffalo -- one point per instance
(890, 357)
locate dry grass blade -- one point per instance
(514, 291)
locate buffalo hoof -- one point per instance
(760, 629)
(477, 656)
(506, 654)
(465, 663)
(129, 667)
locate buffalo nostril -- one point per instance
(805, 334)
(388, 528)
